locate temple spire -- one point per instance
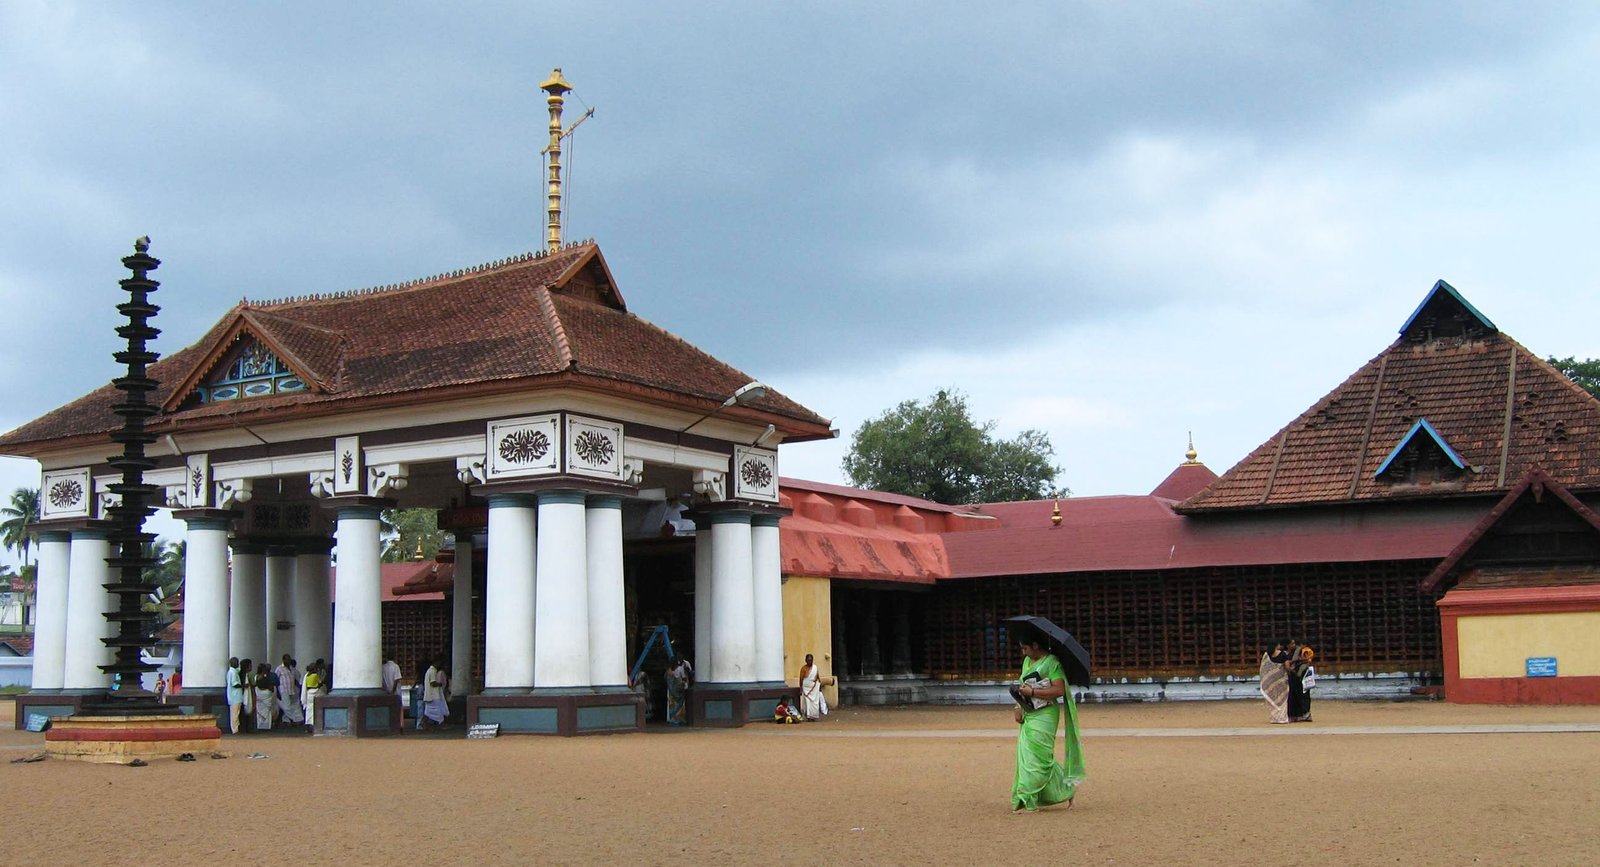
(556, 87)
(1191, 456)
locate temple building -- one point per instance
(1428, 526)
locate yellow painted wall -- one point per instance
(1498, 645)
(808, 628)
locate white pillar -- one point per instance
(767, 568)
(247, 602)
(280, 603)
(313, 610)
(561, 615)
(733, 628)
(608, 604)
(87, 603)
(702, 599)
(205, 604)
(508, 622)
(357, 620)
(461, 619)
(50, 612)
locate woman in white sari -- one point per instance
(813, 704)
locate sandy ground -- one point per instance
(909, 785)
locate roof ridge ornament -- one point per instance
(556, 87)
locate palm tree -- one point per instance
(19, 513)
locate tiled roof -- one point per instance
(1134, 533)
(547, 319)
(22, 645)
(1184, 482)
(840, 532)
(1473, 389)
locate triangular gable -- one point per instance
(1444, 313)
(226, 348)
(1534, 485)
(1422, 429)
(589, 278)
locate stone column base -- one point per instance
(121, 739)
(732, 705)
(49, 704)
(564, 712)
(359, 715)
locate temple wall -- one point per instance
(808, 628)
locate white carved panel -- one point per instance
(527, 446)
(197, 484)
(349, 476)
(594, 448)
(65, 494)
(755, 474)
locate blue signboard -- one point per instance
(1541, 666)
(37, 722)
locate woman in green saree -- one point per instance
(1042, 691)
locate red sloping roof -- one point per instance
(1331, 453)
(394, 578)
(1184, 482)
(22, 644)
(548, 318)
(1100, 534)
(841, 532)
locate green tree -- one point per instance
(1585, 373)
(935, 451)
(18, 514)
(404, 529)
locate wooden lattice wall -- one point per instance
(1359, 617)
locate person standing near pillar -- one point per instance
(235, 694)
(436, 685)
(289, 691)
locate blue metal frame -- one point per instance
(1422, 424)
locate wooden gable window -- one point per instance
(1422, 457)
(252, 370)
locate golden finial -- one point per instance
(418, 555)
(1191, 454)
(556, 87)
(1055, 515)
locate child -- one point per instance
(161, 687)
(780, 713)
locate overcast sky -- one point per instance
(1115, 223)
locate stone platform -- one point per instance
(121, 739)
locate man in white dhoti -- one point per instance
(435, 685)
(235, 694)
(813, 704)
(289, 691)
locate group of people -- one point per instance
(1287, 678)
(435, 707)
(262, 697)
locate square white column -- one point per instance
(461, 619)
(247, 602)
(280, 602)
(313, 607)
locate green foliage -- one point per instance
(935, 451)
(22, 510)
(167, 573)
(1585, 373)
(403, 529)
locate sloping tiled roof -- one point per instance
(1129, 533)
(545, 319)
(1184, 482)
(1474, 388)
(842, 532)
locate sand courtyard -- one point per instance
(1173, 783)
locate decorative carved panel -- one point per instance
(197, 484)
(755, 474)
(349, 476)
(65, 494)
(523, 447)
(594, 448)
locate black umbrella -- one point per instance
(1071, 654)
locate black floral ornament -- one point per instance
(66, 493)
(524, 446)
(755, 473)
(594, 447)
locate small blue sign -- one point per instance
(1541, 666)
(37, 722)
